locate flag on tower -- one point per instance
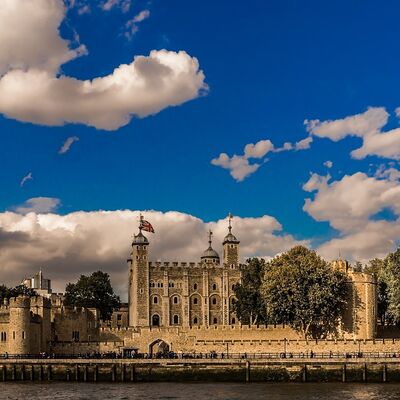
(146, 226)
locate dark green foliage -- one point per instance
(249, 306)
(6, 293)
(391, 277)
(93, 291)
(303, 291)
(378, 268)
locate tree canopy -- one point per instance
(6, 292)
(249, 306)
(93, 291)
(302, 290)
(390, 276)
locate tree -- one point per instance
(7, 293)
(93, 291)
(391, 277)
(378, 268)
(303, 291)
(249, 306)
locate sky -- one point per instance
(284, 113)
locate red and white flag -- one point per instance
(146, 226)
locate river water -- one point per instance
(195, 391)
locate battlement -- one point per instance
(40, 301)
(20, 302)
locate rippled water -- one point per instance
(194, 391)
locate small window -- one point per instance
(155, 300)
(141, 291)
(214, 301)
(119, 317)
(195, 301)
(13, 334)
(195, 286)
(176, 319)
(233, 287)
(233, 321)
(195, 320)
(215, 321)
(175, 299)
(214, 286)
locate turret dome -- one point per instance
(210, 255)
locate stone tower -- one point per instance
(138, 265)
(19, 335)
(359, 319)
(41, 306)
(231, 246)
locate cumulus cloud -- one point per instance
(66, 246)
(41, 205)
(390, 173)
(367, 126)
(132, 25)
(352, 205)
(239, 166)
(328, 164)
(31, 89)
(26, 178)
(67, 144)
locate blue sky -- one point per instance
(269, 65)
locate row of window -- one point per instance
(155, 320)
(3, 336)
(195, 300)
(179, 285)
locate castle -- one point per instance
(184, 307)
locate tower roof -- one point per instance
(140, 238)
(210, 254)
(230, 237)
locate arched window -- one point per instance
(195, 286)
(195, 320)
(214, 301)
(195, 300)
(233, 321)
(175, 299)
(155, 320)
(155, 300)
(233, 287)
(215, 321)
(214, 286)
(176, 319)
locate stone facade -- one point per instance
(183, 307)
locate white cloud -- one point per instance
(30, 37)
(31, 90)
(67, 144)
(304, 144)
(40, 205)
(132, 25)
(367, 126)
(124, 5)
(239, 166)
(328, 164)
(66, 246)
(352, 206)
(390, 173)
(26, 178)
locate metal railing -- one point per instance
(209, 355)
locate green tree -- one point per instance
(302, 290)
(391, 276)
(249, 306)
(6, 292)
(93, 291)
(378, 268)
